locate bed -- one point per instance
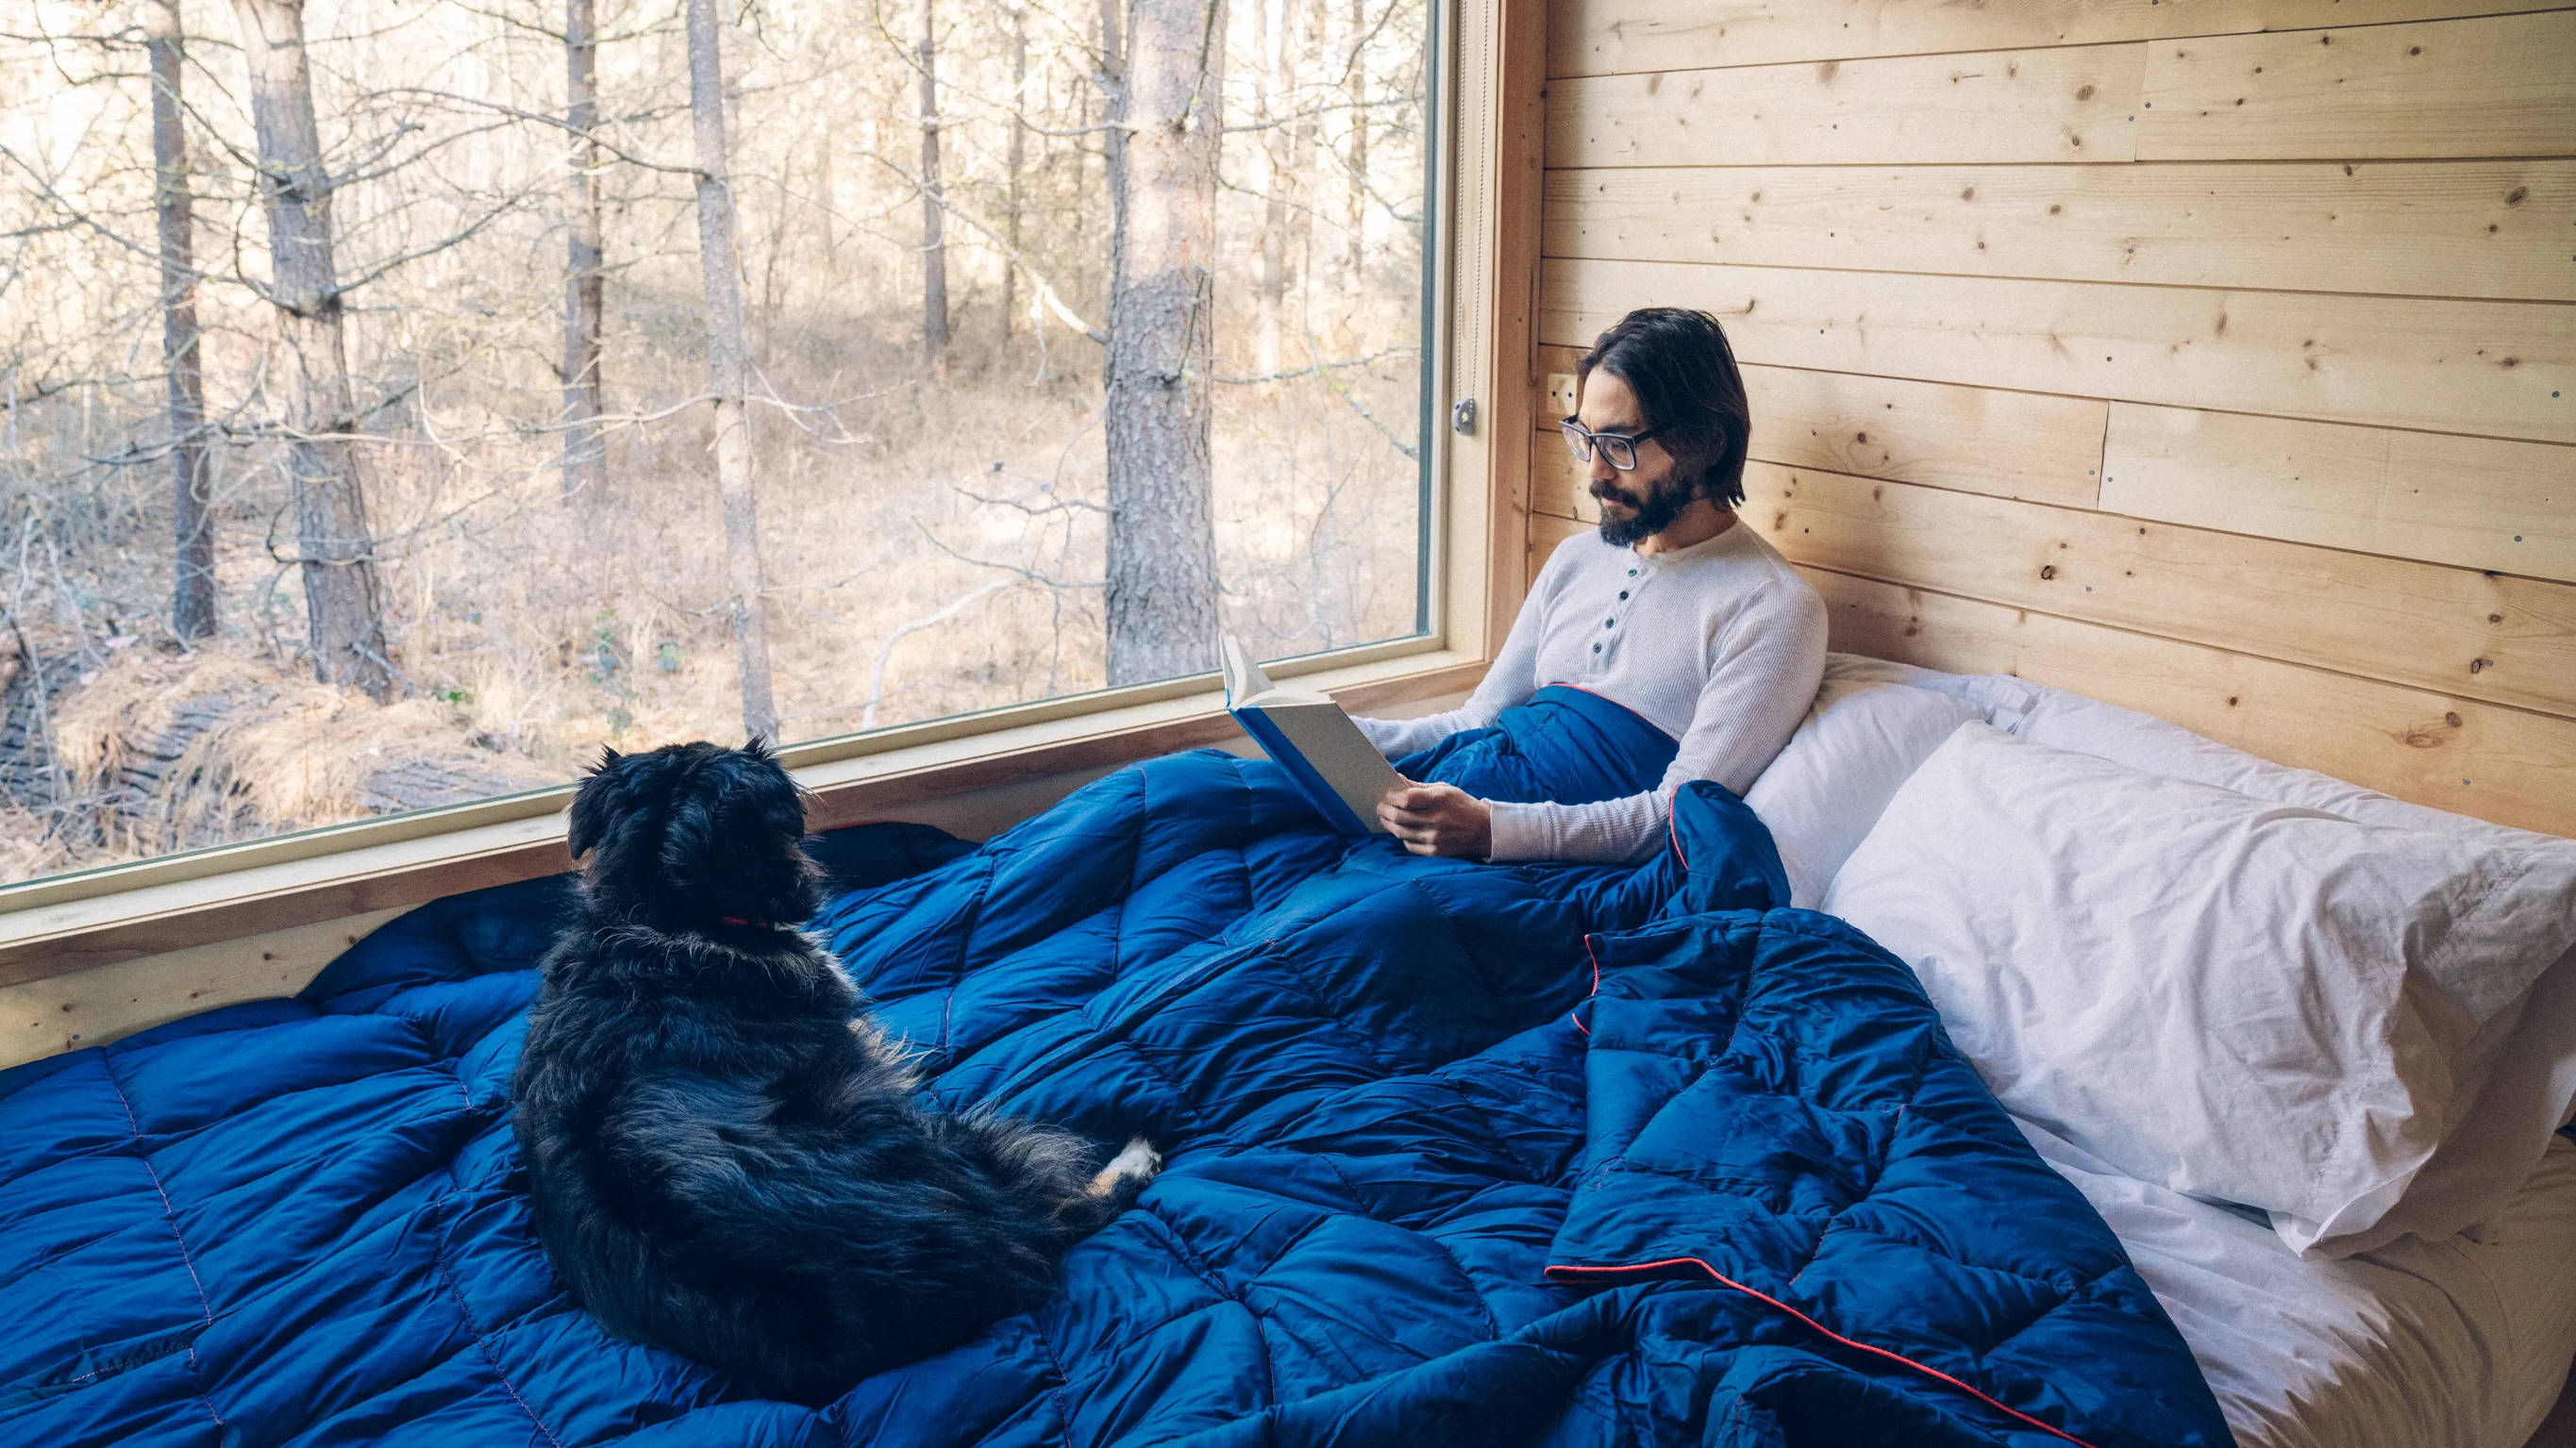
(2461, 1341)
(1458, 1153)
(2454, 1340)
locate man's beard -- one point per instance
(1655, 512)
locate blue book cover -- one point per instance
(1331, 763)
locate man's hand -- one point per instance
(1437, 819)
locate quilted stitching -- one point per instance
(1358, 1064)
(178, 1238)
(1885, 1243)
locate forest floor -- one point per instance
(930, 549)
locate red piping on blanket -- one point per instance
(1554, 1270)
(1576, 1015)
(1675, 836)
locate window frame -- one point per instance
(1488, 72)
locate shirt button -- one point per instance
(1632, 573)
(1623, 593)
(1596, 648)
(1608, 622)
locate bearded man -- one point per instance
(1672, 609)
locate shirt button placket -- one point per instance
(1611, 623)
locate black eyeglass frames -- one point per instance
(1620, 449)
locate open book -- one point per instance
(1330, 761)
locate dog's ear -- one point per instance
(592, 805)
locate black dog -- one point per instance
(725, 1158)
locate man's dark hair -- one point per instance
(1677, 362)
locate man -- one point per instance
(1672, 608)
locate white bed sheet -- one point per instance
(2462, 1343)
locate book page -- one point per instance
(1339, 753)
(1244, 681)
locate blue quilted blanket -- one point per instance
(1458, 1153)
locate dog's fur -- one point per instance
(725, 1158)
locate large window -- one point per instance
(380, 434)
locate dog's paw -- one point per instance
(1138, 1162)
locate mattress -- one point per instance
(2461, 1343)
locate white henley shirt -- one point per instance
(1720, 644)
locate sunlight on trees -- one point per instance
(400, 398)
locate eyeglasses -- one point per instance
(1620, 449)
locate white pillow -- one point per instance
(2519, 1077)
(1825, 788)
(2519, 1074)
(2236, 999)
(2000, 699)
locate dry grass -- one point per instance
(25, 852)
(283, 753)
(929, 550)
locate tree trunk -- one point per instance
(934, 218)
(1304, 143)
(729, 365)
(827, 215)
(344, 622)
(192, 591)
(1017, 163)
(1358, 257)
(1274, 185)
(585, 452)
(1162, 537)
(1113, 139)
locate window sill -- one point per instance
(59, 926)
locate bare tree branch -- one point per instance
(1319, 368)
(885, 651)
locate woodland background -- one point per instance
(401, 398)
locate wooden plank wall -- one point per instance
(2216, 358)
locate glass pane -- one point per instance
(463, 489)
